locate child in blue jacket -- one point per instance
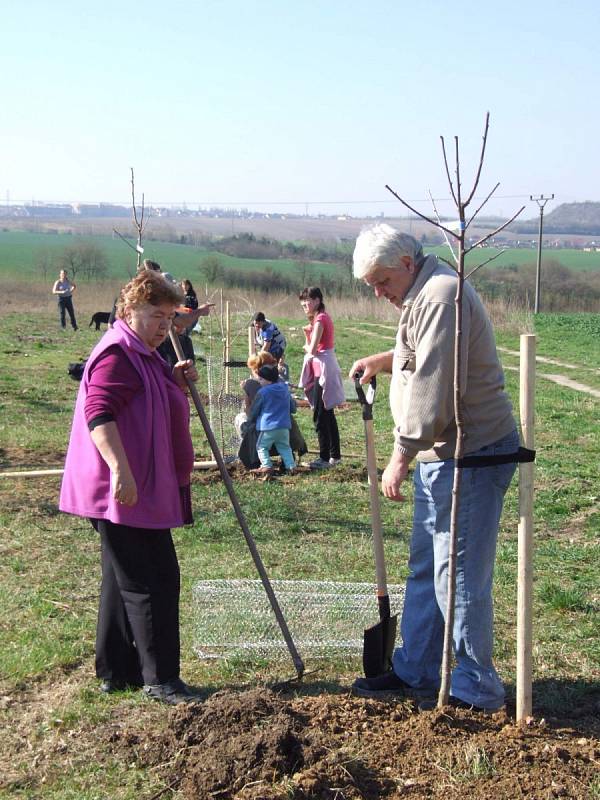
(271, 412)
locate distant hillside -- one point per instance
(582, 218)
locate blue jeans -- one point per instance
(280, 437)
(474, 679)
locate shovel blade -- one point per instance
(378, 646)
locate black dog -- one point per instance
(75, 369)
(98, 318)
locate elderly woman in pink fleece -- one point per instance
(128, 471)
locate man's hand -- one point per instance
(183, 370)
(371, 365)
(393, 475)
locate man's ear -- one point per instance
(408, 263)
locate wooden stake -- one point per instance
(251, 340)
(227, 344)
(525, 547)
(47, 473)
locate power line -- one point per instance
(238, 203)
(541, 201)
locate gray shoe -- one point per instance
(172, 692)
(320, 463)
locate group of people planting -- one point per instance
(321, 379)
(130, 457)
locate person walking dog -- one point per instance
(421, 397)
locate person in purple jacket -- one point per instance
(127, 470)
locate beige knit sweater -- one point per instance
(422, 386)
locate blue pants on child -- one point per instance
(280, 437)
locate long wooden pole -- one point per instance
(525, 546)
(251, 342)
(227, 343)
(241, 518)
(48, 473)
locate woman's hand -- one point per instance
(107, 439)
(184, 371)
(124, 488)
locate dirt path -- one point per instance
(545, 360)
(562, 380)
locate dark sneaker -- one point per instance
(454, 702)
(386, 686)
(172, 692)
(110, 685)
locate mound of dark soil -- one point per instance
(258, 744)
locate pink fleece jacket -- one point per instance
(146, 432)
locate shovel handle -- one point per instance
(298, 663)
(378, 552)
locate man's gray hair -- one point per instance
(383, 246)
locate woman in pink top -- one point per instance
(128, 471)
(325, 389)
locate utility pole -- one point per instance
(541, 201)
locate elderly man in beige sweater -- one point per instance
(421, 397)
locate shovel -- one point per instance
(379, 640)
(298, 663)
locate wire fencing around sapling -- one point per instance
(232, 618)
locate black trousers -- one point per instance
(66, 304)
(326, 426)
(137, 636)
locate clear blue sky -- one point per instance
(226, 101)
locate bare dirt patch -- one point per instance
(260, 744)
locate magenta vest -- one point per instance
(145, 426)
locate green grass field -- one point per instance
(20, 252)
(309, 526)
(573, 259)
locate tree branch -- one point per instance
(445, 260)
(124, 239)
(482, 205)
(458, 191)
(483, 263)
(142, 215)
(447, 169)
(493, 233)
(481, 157)
(135, 219)
(445, 234)
(418, 213)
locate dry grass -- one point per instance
(91, 297)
